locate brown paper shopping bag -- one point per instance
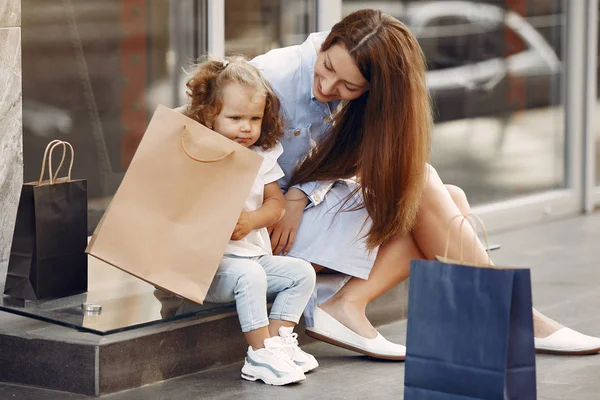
(171, 219)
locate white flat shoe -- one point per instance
(330, 330)
(568, 342)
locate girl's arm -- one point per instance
(272, 209)
(269, 213)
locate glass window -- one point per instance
(253, 27)
(444, 39)
(449, 20)
(494, 75)
(597, 122)
(93, 73)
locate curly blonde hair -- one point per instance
(205, 90)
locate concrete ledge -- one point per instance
(59, 358)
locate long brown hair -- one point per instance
(382, 137)
(205, 90)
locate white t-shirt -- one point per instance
(257, 242)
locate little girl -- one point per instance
(233, 99)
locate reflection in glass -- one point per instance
(127, 303)
(494, 75)
(253, 27)
(93, 73)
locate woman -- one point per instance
(360, 196)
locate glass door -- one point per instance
(93, 73)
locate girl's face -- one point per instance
(337, 77)
(242, 113)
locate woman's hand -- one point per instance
(243, 227)
(283, 233)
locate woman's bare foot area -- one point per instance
(351, 315)
(544, 326)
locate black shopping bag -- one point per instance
(470, 332)
(47, 257)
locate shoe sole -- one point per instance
(309, 369)
(334, 342)
(267, 382)
(253, 378)
(588, 352)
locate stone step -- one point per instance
(50, 356)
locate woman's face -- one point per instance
(337, 77)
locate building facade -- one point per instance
(513, 85)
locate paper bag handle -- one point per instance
(48, 155)
(471, 218)
(55, 141)
(203, 160)
(65, 144)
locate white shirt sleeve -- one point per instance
(270, 169)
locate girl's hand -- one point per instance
(243, 227)
(283, 233)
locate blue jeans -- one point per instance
(249, 281)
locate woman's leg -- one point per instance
(391, 267)
(393, 260)
(459, 198)
(543, 326)
(431, 230)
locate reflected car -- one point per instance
(482, 59)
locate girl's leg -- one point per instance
(245, 281)
(256, 338)
(275, 324)
(293, 282)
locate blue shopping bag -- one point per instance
(470, 333)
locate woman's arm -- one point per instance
(269, 213)
(283, 233)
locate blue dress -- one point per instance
(326, 236)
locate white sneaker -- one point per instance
(272, 364)
(301, 358)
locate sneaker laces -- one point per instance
(290, 343)
(292, 339)
(276, 346)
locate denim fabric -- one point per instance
(325, 236)
(290, 71)
(249, 281)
